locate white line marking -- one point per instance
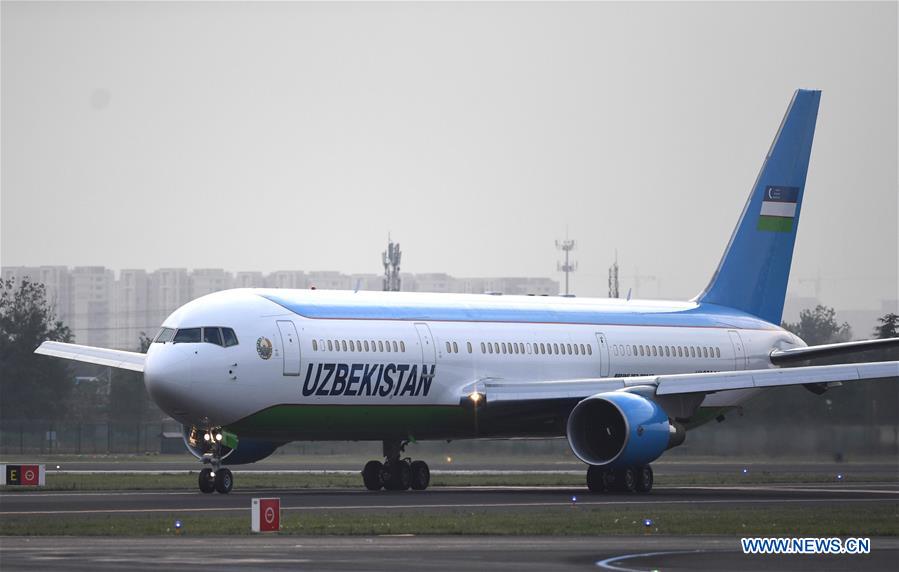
(607, 564)
(432, 506)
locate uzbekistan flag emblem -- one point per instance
(778, 209)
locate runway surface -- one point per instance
(670, 553)
(437, 498)
(888, 470)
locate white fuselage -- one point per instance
(312, 348)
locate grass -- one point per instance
(249, 480)
(880, 519)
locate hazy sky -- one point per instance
(266, 136)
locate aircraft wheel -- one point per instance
(206, 481)
(371, 475)
(224, 481)
(644, 479)
(625, 480)
(596, 479)
(396, 476)
(421, 475)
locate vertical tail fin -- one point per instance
(752, 275)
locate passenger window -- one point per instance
(542, 348)
(402, 346)
(490, 347)
(503, 346)
(187, 336)
(717, 352)
(628, 350)
(641, 351)
(343, 345)
(692, 351)
(352, 346)
(380, 346)
(667, 351)
(387, 345)
(314, 345)
(483, 349)
(679, 352)
(654, 352)
(395, 347)
(705, 352)
(556, 348)
(455, 348)
(469, 346)
(366, 345)
(589, 350)
(495, 347)
(358, 346)
(447, 347)
(330, 346)
(615, 348)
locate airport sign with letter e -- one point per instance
(22, 475)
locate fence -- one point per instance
(49, 438)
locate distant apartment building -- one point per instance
(249, 280)
(92, 305)
(104, 311)
(131, 316)
(286, 279)
(208, 280)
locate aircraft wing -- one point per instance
(847, 352)
(133, 361)
(494, 391)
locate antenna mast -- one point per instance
(568, 266)
(391, 260)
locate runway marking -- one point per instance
(470, 488)
(607, 564)
(436, 506)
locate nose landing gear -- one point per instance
(395, 473)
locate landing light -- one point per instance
(476, 397)
(206, 436)
(647, 522)
(178, 524)
(212, 474)
(218, 436)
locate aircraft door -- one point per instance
(290, 343)
(739, 350)
(603, 356)
(428, 351)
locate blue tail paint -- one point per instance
(752, 275)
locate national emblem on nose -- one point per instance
(264, 347)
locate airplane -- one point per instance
(247, 370)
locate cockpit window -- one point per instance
(164, 335)
(212, 336)
(230, 337)
(188, 336)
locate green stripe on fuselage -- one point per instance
(359, 422)
(775, 223)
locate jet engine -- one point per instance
(621, 429)
(221, 444)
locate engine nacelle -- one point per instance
(204, 444)
(620, 429)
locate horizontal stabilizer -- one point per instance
(847, 352)
(101, 356)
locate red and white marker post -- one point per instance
(266, 515)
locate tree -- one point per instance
(31, 386)
(888, 328)
(819, 326)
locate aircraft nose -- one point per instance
(167, 376)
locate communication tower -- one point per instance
(391, 259)
(569, 265)
(613, 278)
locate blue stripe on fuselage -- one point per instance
(700, 316)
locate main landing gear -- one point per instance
(628, 480)
(395, 473)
